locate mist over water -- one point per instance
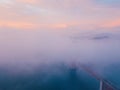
(43, 58)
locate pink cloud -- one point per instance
(84, 14)
(112, 24)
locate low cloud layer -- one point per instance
(31, 48)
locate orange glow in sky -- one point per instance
(31, 14)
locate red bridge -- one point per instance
(104, 84)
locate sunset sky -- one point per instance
(59, 14)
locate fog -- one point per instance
(33, 46)
(25, 51)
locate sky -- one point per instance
(59, 14)
(32, 31)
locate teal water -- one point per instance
(63, 78)
(58, 77)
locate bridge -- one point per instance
(104, 84)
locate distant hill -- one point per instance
(97, 35)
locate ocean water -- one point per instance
(60, 77)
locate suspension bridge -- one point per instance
(104, 84)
